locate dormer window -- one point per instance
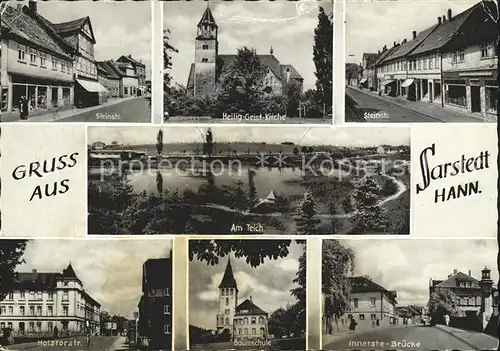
(205, 47)
(204, 60)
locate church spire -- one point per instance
(208, 17)
(228, 280)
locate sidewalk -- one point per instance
(344, 334)
(435, 111)
(56, 115)
(476, 340)
(35, 344)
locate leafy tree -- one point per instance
(295, 151)
(159, 142)
(304, 149)
(167, 59)
(442, 302)
(279, 323)
(254, 251)
(352, 70)
(368, 216)
(293, 94)
(323, 57)
(305, 222)
(252, 189)
(159, 182)
(240, 87)
(300, 313)
(338, 263)
(11, 252)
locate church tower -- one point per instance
(206, 50)
(228, 300)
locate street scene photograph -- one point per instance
(438, 65)
(247, 294)
(96, 295)
(248, 180)
(71, 62)
(241, 62)
(410, 294)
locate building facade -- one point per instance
(35, 62)
(452, 63)
(371, 305)
(475, 298)
(155, 306)
(209, 64)
(42, 302)
(244, 321)
(368, 71)
(139, 69)
(107, 76)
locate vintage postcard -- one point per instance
(247, 294)
(93, 295)
(425, 297)
(439, 64)
(71, 62)
(258, 180)
(248, 62)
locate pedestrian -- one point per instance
(352, 325)
(55, 331)
(447, 319)
(23, 108)
(378, 322)
(373, 323)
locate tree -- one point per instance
(167, 59)
(254, 251)
(252, 189)
(305, 222)
(300, 313)
(240, 85)
(368, 216)
(159, 143)
(279, 323)
(159, 182)
(295, 151)
(338, 263)
(442, 302)
(323, 57)
(293, 94)
(304, 149)
(11, 252)
(352, 70)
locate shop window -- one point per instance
(456, 95)
(4, 99)
(491, 100)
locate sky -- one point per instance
(341, 136)
(269, 285)
(414, 261)
(372, 24)
(120, 28)
(286, 26)
(110, 270)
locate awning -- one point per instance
(92, 87)
(407, 83)
(363, 81)
(388, 82)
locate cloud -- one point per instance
(269, 285)
(110, 270)
(286, 26)
(407, 265)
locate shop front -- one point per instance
(475, 91)
(89, 93)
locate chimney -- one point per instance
(439, 20)
(379, 52)
(385, 48)
(404, 41)
(470, 275)
(444, 18)
(250, 298)
(449, 15)
(287, 75)
(414, 34)
(394, 43)
(32, 5)
(455, 271)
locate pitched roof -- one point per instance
(228, 280)
(453, 281)
(71, 26)
(384, 54)
(364, 284)
(370, 57)
(444, 32)
(105, 65)
(409, 46)
(207, 17)
(268, 60)
(69, 272)
(34, 28)
(132, 60)
(43, 281)
(248, 307)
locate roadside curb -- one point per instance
(474, 347)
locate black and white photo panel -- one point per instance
(88, 295)
(425, 297)
(71, 62)
(439, 64)
(247, 294)
(248, 62)
(248, 180)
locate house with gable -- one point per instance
(139, 69)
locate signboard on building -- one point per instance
(159, 292)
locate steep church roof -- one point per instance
(228, 280)
(248, 307)
(207, 18)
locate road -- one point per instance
(414, 338)
(389, 112)
(135, 110)
(97, 343)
